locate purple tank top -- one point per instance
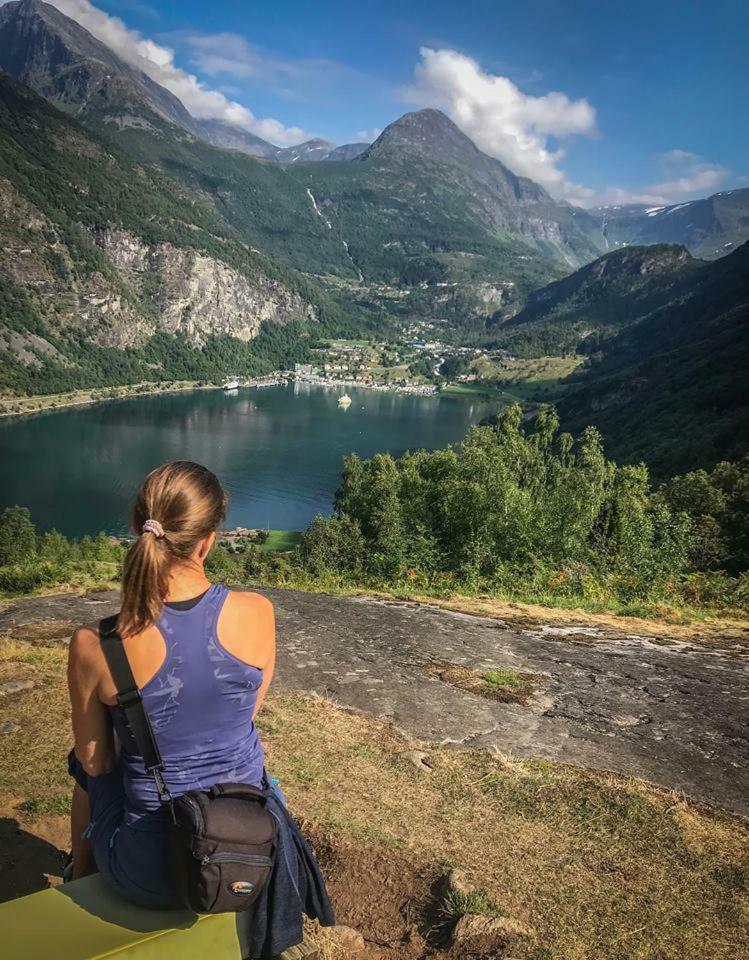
(200, 703)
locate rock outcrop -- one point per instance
(198, 295)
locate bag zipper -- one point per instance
(195, 806)
(248, 858)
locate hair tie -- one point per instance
(154, 527)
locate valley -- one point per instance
(139, 244)
(455, 304)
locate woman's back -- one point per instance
(203, 671)
(201, 700)
(203, 659)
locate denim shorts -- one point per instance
(133, 856)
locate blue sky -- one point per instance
(598, 101)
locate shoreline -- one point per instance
(50, 403)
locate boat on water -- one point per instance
(344, 400)
(231, 384)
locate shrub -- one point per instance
(17, 536)
(24, 579)
(333, 545)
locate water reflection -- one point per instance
(277, 450)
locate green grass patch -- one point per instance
(503, 684)
(485, 391)
(457, 904)
(281, 541)
(504, 679)
(54, 805)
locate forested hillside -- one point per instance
(667, 340)
(672, 387)
(101, 261)
(579, 313)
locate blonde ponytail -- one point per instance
(179, 504)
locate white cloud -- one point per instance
(524, 132)
(688, 173)
(687, 176)
(230, 55)
(158, 62)
(367, 136)
(502, 120)
(224, 53)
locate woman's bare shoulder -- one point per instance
(85, 656)
(250, 602)
(84, 644)
(247, 627)
(244, 607)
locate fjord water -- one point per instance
(277, 450)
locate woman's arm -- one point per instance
(92, 727)
(247, 629)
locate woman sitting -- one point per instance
(203, 658)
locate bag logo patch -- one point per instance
(241, 887)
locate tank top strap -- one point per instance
(215, 601)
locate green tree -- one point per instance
(54, 546)
(333, 545)
(511, 497)
(718, 505)
(17, 536)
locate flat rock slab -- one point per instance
(676, 715)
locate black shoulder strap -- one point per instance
(131, 701)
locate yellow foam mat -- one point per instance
(86, 919)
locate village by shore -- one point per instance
(20, 406)
(364, 383)
(418, 364)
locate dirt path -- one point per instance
(674, 714)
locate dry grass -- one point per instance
(600, 867)
(717, 632)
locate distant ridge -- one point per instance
(711, 227)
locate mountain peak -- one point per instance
(65, 63)
(426, 118)
(429, 135)
(426, 130)
(315, 142)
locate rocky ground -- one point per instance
(669, 712)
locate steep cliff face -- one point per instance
(139, 288)
(198, 295)
(35, 258)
